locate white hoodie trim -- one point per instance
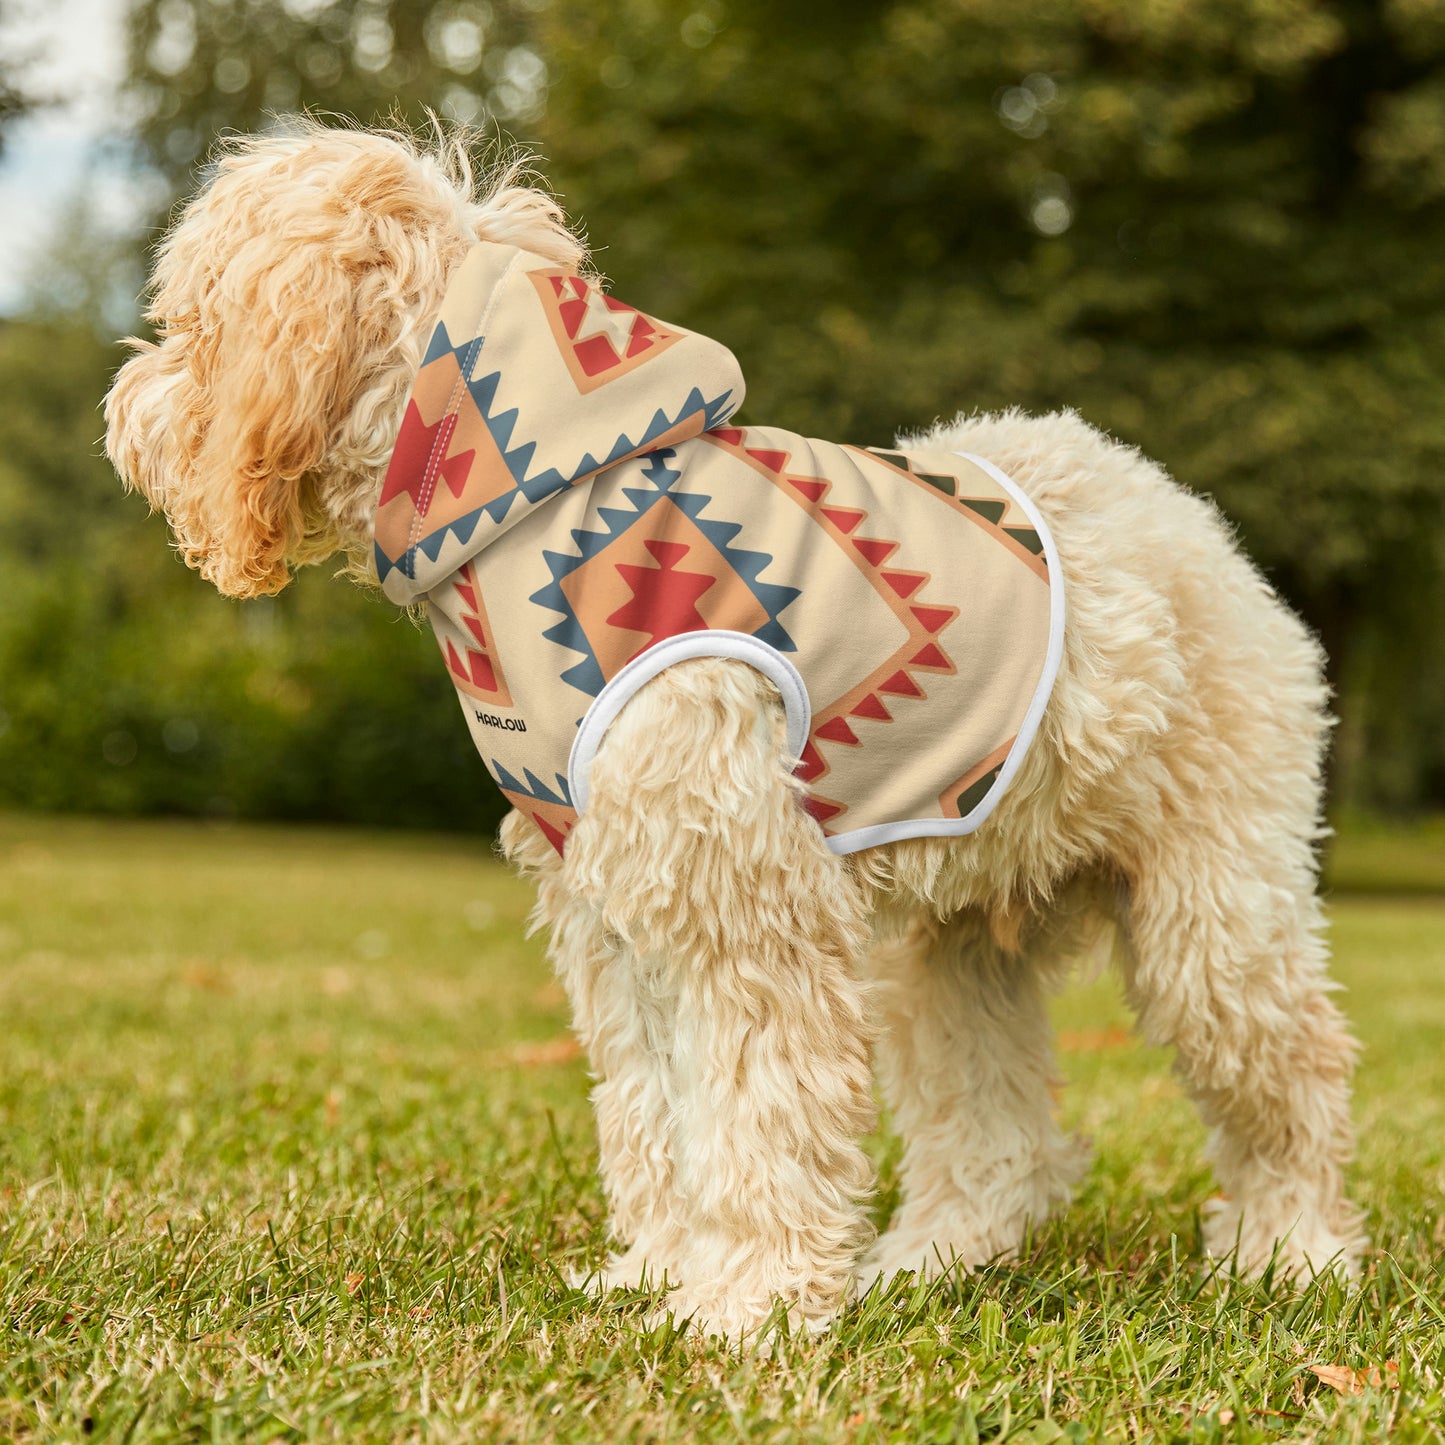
(843, 843)
(683, 647)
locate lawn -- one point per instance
(293, 1145)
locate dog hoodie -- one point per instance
(572, 502)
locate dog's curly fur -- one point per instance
(729, 976)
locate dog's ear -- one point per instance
(222, 423)
(146, 417)
(292, 301)
(277, 360)
(285, 301)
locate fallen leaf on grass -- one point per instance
(354, 1283)
(533, 1056)
(1090, 1041)
(551, 995)
(197, 973)
(1345, 1381)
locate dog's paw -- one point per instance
(633, 1270)
(880, 1272)
(914, 1252)
(964, 1229)
(753, 1323)
(1298, 1245)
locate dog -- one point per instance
(735, 975)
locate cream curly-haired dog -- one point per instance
(731, 975)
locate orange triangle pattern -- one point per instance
(899, 587)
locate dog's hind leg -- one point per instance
(1228, 966)
(696, 853)
(1214, 831)
(966, 1059)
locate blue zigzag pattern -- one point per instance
(586, 675)
(534, 787)
(534, 488)
(441, 343)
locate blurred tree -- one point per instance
(15, 100)
(127, 685)
(1216, 227)
(201, 67)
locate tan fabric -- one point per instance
(568, 495)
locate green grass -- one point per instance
(1370, 855)
(290, 1149)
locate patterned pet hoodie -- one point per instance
(572, 502)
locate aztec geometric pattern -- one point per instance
(469, 655)
(462, 464)
(549, 808)
(599, 337)
(900, 589)
(658, 567)
(567, 494)
(470, 450)
(1001, 517)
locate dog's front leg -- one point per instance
(622, 1014)
(740, 932)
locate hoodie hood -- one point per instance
(534, 381)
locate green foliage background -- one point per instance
(1214, 227)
